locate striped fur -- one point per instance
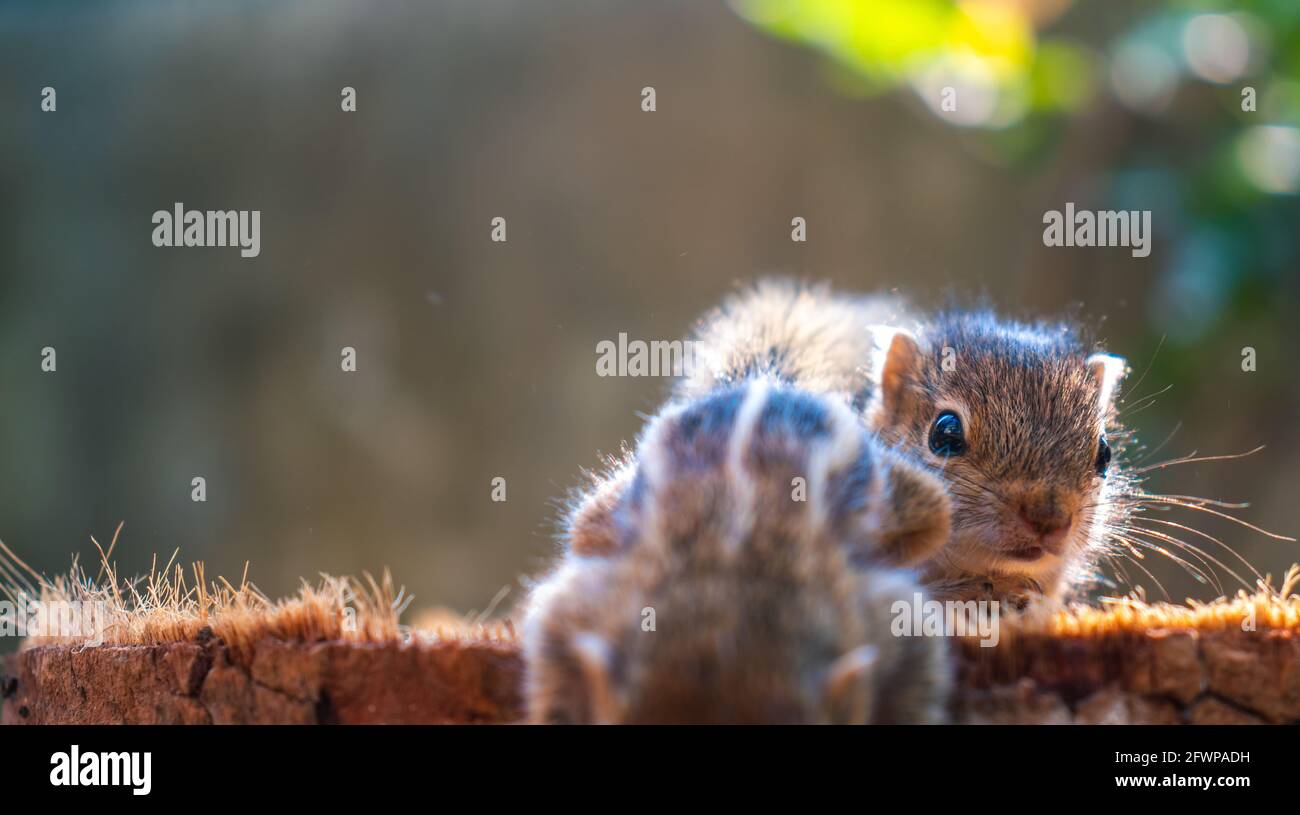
(760, 524)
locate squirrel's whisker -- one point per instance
(1135, 559)
(1205, 535)
(1117, 563)
(1150, 363)
(1197, 573)
(1192, 458)
(1200, 554)
(1172, 501)
(1134, 405)
(1209, 501)
(1162, 444)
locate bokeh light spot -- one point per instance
(1216, 47)
(1269, 156)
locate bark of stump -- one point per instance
(1159, 676)
(283, 683)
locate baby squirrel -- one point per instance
(1012, 416)
(705, 582)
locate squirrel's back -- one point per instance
(742, 570)
(799, 334)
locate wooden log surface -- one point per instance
(1161, 676)
(290, 683)
(1157, 676)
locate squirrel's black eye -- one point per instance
(946, 437)
(1103, 457)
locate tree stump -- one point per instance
(1160, 676)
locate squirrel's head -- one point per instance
(1014, 418)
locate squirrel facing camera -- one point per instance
(1014, 419)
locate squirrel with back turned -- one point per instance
(742, 567)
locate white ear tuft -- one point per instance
(899, 368)
(1107, 370)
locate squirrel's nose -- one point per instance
(1049, 523)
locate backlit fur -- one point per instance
(798, 334)
(770, 602)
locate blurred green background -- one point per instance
(476, 359)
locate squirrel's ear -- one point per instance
(848, 686)
(916, 514)
(595, 658)
(900, 372)
(1107, 370)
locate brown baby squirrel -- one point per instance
(1014, 417)
(740, 567)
